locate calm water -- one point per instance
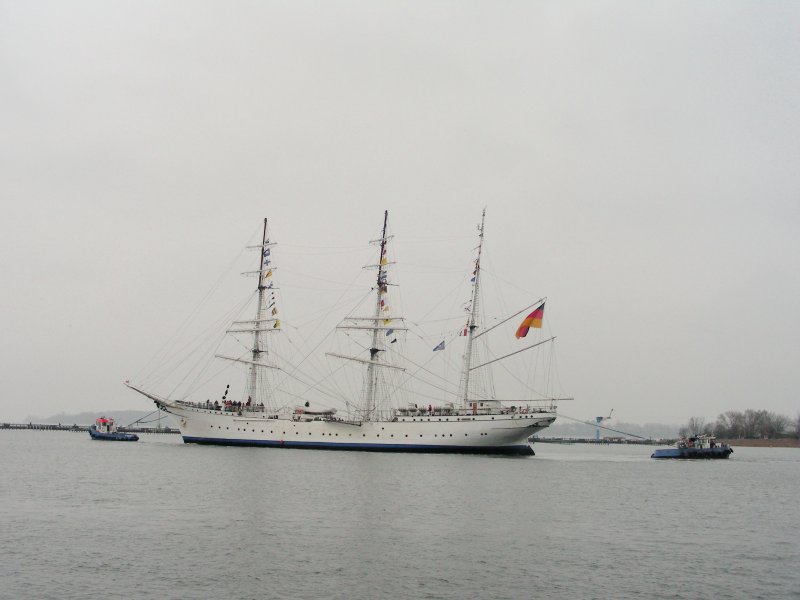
(160, 519)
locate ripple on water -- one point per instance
(160, 519)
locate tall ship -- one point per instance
(386, 414)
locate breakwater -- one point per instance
(602, 441)
(83, 428)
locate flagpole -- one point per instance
(539, 301)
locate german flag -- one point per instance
(532, 320)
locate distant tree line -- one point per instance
(750, 424)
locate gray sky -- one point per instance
(639, 162)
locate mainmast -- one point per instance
(473, 316)
(380, 289)
(256, 350)
(381, 325)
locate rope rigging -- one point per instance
(598, 426)
(298, 364)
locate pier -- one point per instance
(601, 441)
(84, 428)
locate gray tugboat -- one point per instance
(699, 446)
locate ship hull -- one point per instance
(503, 434)
(686, 453)
(112, 437)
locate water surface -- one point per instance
(162, 519)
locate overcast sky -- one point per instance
(639, 161)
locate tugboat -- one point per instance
(105, 429)
(699, 446)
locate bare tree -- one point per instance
(754, 424)
(735, 424)
(774, 425)
(694, 426)
(753, 420)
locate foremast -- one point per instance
(266, 321)
(472, 323)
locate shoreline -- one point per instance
(776, 443)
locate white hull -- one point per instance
(505, 433)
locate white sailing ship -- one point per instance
(475, 421)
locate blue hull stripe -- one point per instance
(520, 450)
(114, 437)
(692, 453)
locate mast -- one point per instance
(252, 387)
(473, 316)
(381, 325)
(380, 288)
